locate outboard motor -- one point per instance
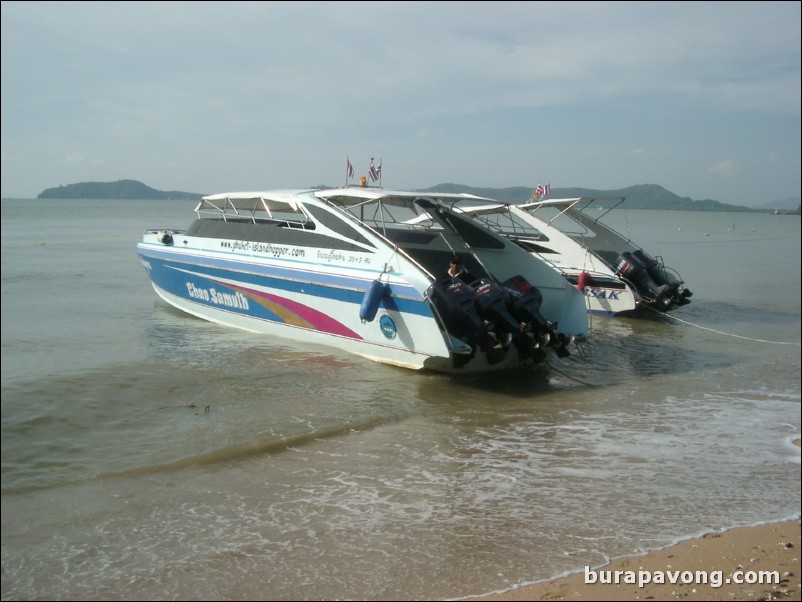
(455, 301)
(652, 266)
(491, 302)
(496, 306)
(655, 269)
(524, 301)
(660, 276)
(633, 269)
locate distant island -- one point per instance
(121, 189)
(642, 196)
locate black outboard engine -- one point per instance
(524, 302)
(491, 301)
(491, 304)
(652, 266)
(455, 301)
(660, 276)
(632, 268)
(656, 270)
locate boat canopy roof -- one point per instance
(360, 195)
(583, 200)
(251, 202)
(281, 200)
(277, 200)
(485, 209)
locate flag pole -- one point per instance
(349, 170)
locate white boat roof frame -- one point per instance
(512, 226)
(355, 196)
(569, 205)
(351, 199)
(255, 206)
(284, 205)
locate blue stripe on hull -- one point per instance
(222, 287)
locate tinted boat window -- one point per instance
(334, 223)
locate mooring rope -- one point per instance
(561, 373)
(584, 352)
(729, 334)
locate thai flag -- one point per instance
(349, 169)
(374, 175)
(548, 189)
(379, 169)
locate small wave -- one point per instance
(248, 450)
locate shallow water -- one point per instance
(150, 455)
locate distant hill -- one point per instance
(642, 196)
(783, 204)
(121, 189)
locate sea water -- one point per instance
(147, 454)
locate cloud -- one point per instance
(219, 90)
(724, 169)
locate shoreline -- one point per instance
(770, 551)
(712, 563)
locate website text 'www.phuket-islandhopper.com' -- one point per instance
(714, 579)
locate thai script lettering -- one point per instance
(331, 255)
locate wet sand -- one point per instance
(748, 563)
(738, 554)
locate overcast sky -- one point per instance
(702, 98)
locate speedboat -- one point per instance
(615, 275)
(365, 270)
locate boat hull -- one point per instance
(284, 301)
(604, 295)
(346, 268)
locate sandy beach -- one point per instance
(747, 563)
(767, 553)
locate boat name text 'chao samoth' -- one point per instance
(599, 293)
(236, 300)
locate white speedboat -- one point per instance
(615, 275)
(357, 269)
